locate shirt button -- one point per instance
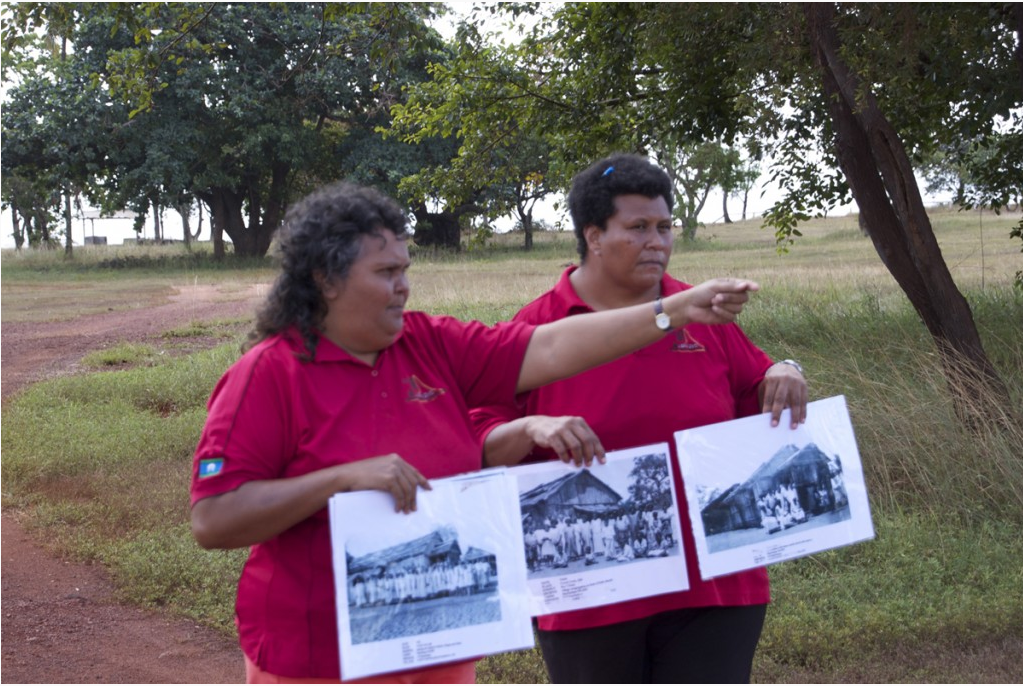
(384, 394)
(374, 373)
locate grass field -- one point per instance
(937, 596)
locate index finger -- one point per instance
(407, 487)
(774, 402)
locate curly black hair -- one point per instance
(319, 240)
(591, 198)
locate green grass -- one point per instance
(922, 583)
(120, 355)
(224, 328)
(937, 596)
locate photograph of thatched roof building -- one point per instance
(436, 547)
(807, 470)
(574, 494)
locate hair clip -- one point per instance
(608, 171)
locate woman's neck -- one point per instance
(601, 293)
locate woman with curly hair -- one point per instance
(342, 389)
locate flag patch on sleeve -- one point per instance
(211, 467)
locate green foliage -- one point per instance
(501, 165)
(243, 106)
(478, 237)
(694, 168)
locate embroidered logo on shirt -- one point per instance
(685, 343)
(211, 467)
(418, 392)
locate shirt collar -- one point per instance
(567, 302)
(328, 351)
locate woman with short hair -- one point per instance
(696, 375)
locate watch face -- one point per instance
(663, 321)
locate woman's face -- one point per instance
(364, 310)
(633, 251)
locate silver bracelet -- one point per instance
(793, 363)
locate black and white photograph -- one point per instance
(424, 585)
(444, 583)
(601, 534)
(760, 495)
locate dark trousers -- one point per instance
(708, 645)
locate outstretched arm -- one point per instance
(558, 350)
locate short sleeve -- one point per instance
(486, 360)
(488, 417)
(245, 435)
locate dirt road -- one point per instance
(61, 622)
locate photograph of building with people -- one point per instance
(421, 586)
(620, 512)
(795, 489)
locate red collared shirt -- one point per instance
(273, 416)
(694, 376)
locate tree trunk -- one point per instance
(227, 216)
(19, 231)
(157, 223)
(198, 228)
(276, 205)
(724, 205)
(218, 217)
(689, 226)
(218, 240)
(881, 178)
(185, 211)
(68, 245)
(745, 202)
(527, 229)
(43, 229)
(439, 229)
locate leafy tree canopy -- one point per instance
(241, 105)
(844, 99)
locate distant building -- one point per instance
(807, 470)
(577, 493)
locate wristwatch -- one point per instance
(661, 318)
(793, 363)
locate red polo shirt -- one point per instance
(694, 376)
(273, 415)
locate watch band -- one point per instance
(793, 363)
